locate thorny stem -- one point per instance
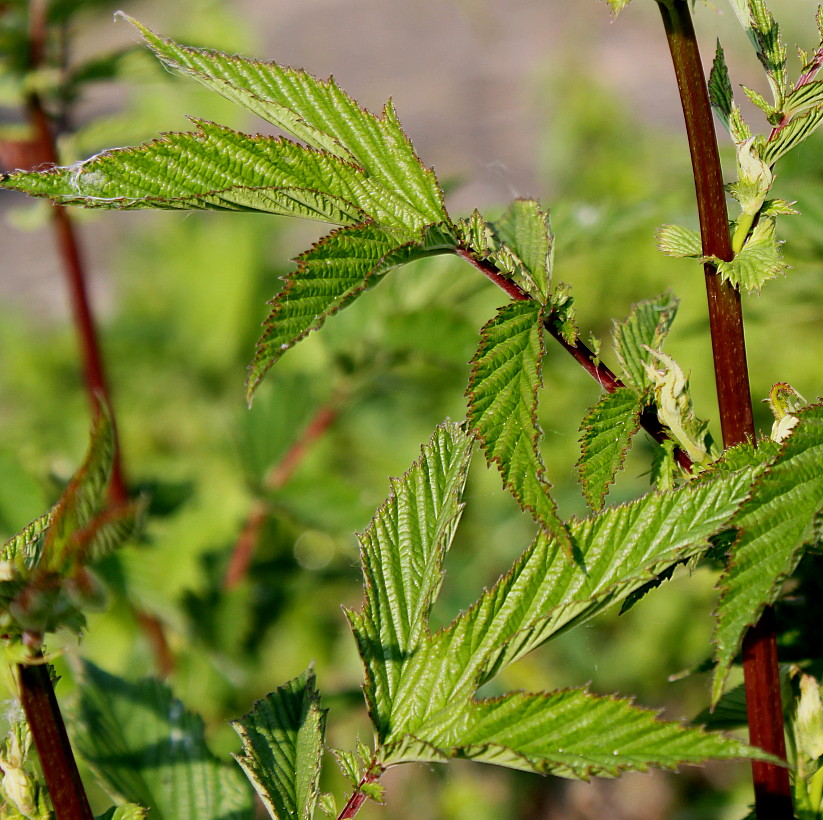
(278, 477)
(48, 731)
(771, 783)
(580, 352)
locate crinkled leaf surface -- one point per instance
(759, 260)
(402, 552)
(320, 114)
(797, 130)
(677, 241)
(329, 277)
(607, 430)
(643, 330)
(526, 231)
(502, 392)
(420, 686)
(283, 746)
(356, 167)
(576, 734)
(146, 748)
(774, 523)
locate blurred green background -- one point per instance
(504, 99)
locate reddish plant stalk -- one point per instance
(359, 797)
(42, 150)
(278, 477)
(580, 352)
(765, 714)
(68, 797)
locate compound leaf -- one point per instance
(607, 430)
(147, 749)
(320, 114)
(774, 524)
(621, 549)
(502, 392)
(402, 552)
(283, 746)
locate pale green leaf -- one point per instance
(645, 329)
(319, 113)
(677, 241)
(760, 101)
(792, 134)
(330, 276)
(759, 260)
(764, 33)
(216, 168)
(774, 523)
(526, 230)
(576, 734)
(402, 552)
(618, 5)
(607, 430)
(129, 811)
(807, 96)
(502, 392)
(283, 747)
(147, 749)
(620, 549)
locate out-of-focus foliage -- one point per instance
(179, 335)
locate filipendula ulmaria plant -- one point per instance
(359, 172)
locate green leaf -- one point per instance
(321, 115)
(129, 811)
(764, 33)
(607, 431)
(147, 749)
(502, 392)
(329, 277)
(677, 241)
(621, 549)
(805, 97)
(526, 230)
(401, 553)
(791, 135)
(283, 747)
(576, 734)
(774, 523)
(543, 594)
(720, 87)
(759, 260)
(216, 168)
(645, 329)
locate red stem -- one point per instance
(771, 783)
(42, 150)
(278, 477)
(68, 797)
(359, 797)
(580, 352)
